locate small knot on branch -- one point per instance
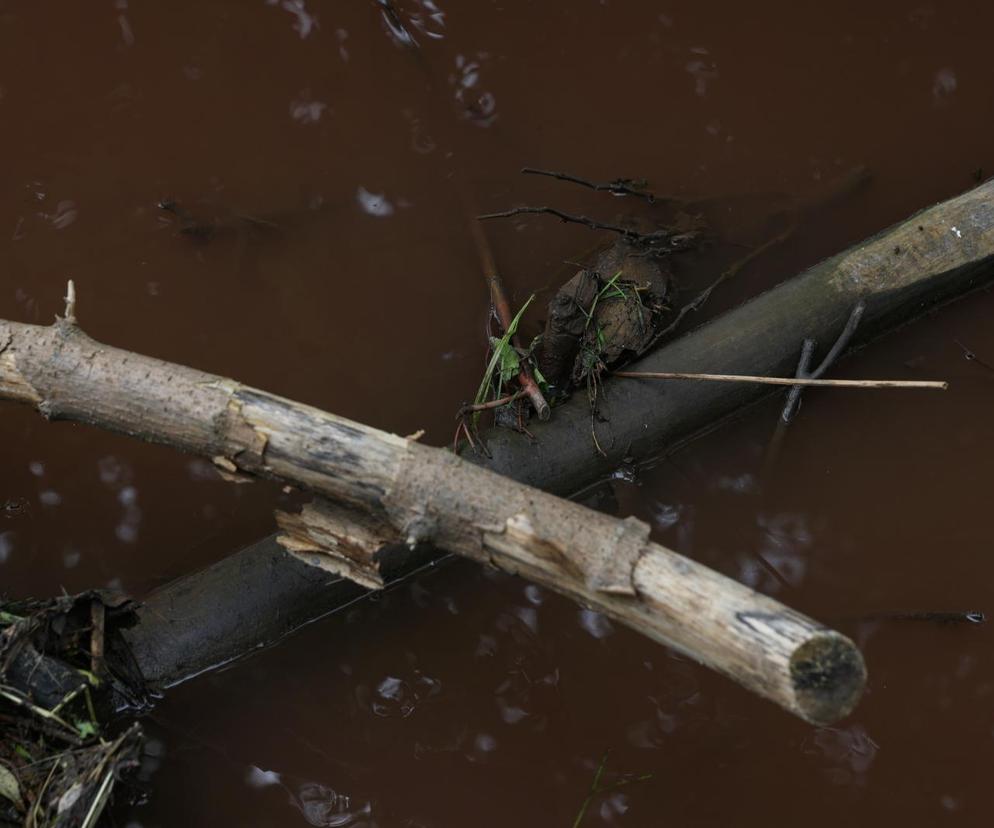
(70, 300)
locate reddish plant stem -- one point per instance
(469, 408)
(498, 299)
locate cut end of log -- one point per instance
(828, 675)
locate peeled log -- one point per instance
(380, 487)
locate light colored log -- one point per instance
(429, 495)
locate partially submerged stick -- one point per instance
(791, 381)
(901, 273)
(398, 489)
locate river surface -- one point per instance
(341, 158)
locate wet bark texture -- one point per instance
(376, 487)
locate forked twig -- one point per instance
(618, 187)
(657, 238)
(807, 353)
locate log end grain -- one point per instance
(828, 675)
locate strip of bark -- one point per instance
(402, 490)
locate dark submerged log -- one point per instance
(245, 601)
(936, 255)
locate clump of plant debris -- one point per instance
(605, 314)
(65, 670)
(610, 312)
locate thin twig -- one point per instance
(618, 187)
(826, 383)
(807, 350)
(803, 370)
(596, 788)
(593, 790)
(469, 408)
(657, 238)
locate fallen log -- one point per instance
(376, 488)
(938, 254)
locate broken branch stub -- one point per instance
(419, 494)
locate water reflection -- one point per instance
(117, 475)
(400, 18)
(702, 69)
(341, 35)
(395, 697)
(320, 804)
(304, 22)
(127, 34)
(65, 214)
(305, 109)
(324, 806)
(421, 142)
(476, 104)
(850, 751)
(944, 84)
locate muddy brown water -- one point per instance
(466, 697)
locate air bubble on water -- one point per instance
(533, 594)
(50, 497)
(374, 204)
(595, 623)
(259, 778)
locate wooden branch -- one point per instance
(404, 490)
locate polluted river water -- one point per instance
(339, 152)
